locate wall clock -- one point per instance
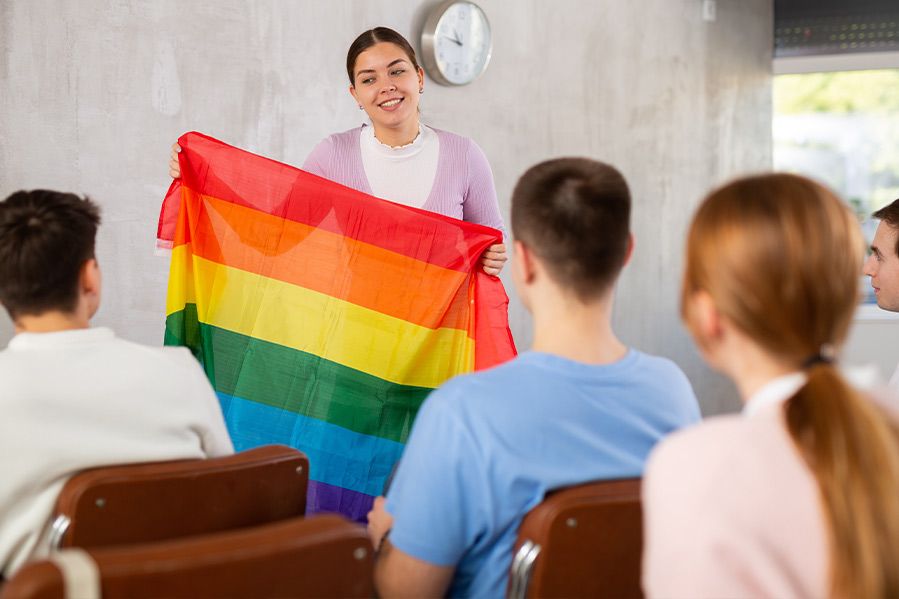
(456, 42)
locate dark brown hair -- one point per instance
(45, 238)
(890, 215)
(780, 256)
(375, 36)
(574, 213)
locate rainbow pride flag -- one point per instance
(322, 316)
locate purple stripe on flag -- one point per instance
(323, 497)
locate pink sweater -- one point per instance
(732, 510)
(463, 186)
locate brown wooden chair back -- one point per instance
(322, 556)
(141, 503)
(583, 541)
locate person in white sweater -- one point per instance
(74, 397)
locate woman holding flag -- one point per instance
(397, 157)
(337, 365)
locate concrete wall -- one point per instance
(93, 92)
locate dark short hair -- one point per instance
(45, 238)
(574, 213)
(369, 38)
(890, 215)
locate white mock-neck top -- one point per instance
(404, 174)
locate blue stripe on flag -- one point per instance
(337, 456)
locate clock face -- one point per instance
(461, 43)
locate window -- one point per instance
(842, 128)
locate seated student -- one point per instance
(74, 397)
(883, 265)
(798, 496)
(580, 406)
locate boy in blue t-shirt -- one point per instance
(580, 406)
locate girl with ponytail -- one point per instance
(799, 495)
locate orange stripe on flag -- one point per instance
(322, 261)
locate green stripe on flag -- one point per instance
(292, 380)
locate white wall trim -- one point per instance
(858, 61)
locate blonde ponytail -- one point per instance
(852, 447)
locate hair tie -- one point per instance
(824, 356)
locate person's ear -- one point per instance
(704, 320)
(421, 80)
(629, 251)
(352, 89)
(522, 272)
(90, 276)
(91, 284)
(525, 268)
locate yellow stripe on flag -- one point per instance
(384, 346)
(181, 281)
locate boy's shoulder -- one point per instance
(170, 355)
(659, 371)
(162, 357)
(470, 390)
(534, 374)
(659, 363)
(528, 367)
(509, 371)
(94, 353)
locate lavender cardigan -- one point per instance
(463, 187)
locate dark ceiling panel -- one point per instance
(810, 27)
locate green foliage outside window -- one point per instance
(842, 92)
(841, 128)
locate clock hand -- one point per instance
(452, 39)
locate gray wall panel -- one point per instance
(92, 93)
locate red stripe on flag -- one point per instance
(260, 183)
